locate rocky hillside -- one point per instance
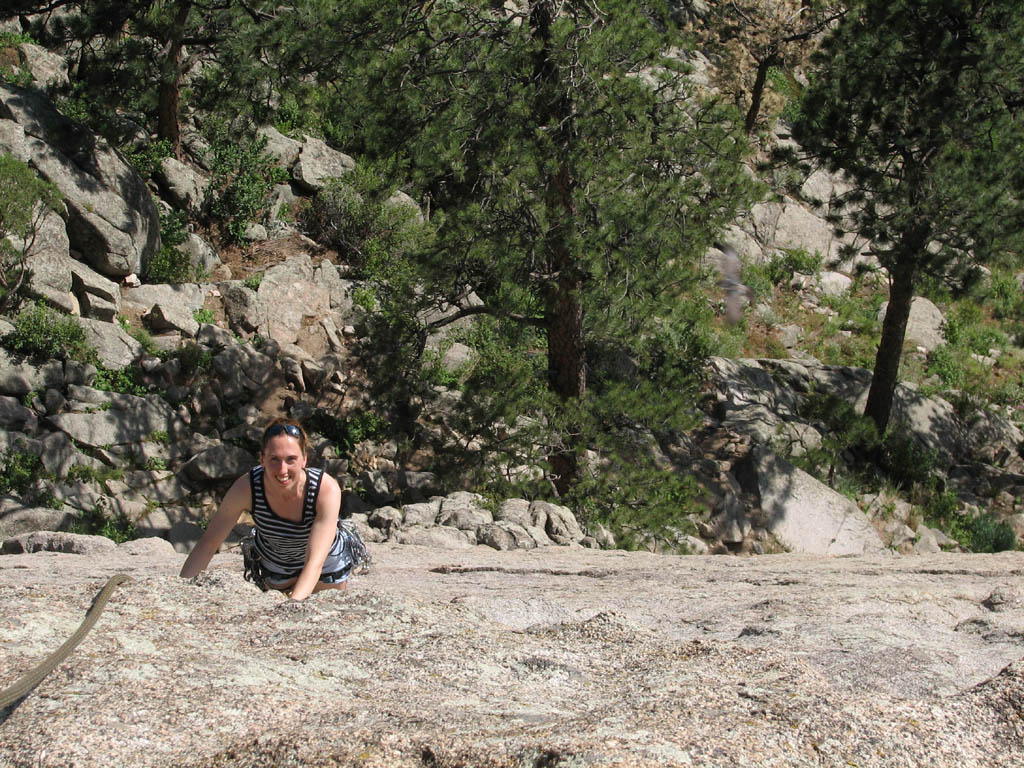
(275, 331)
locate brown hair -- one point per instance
(283, 426)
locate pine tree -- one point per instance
(919, 103)
(135, 55)
(574, 180)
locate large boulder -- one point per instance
(318, 164)
(112, 219)
(805, 515)
(114, 346)
(18, 516)
(291, 303)
(50, 264)
(280, 147)
(110, 418)
(188, 296)
(183, 186)
(54, 541)
(98, 297)
(924, 326)
(19, 376)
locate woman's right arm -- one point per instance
(236, 501)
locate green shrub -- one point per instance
(19, 471)
(155, 463)
(976, 533)
(82, 473)
(983, 533)
(242, 177)
(194, 359)
(170, 265)
(96, 522)
(42, 332)
(347, 433)
(790, 89)
(203, 315)
(146, 158)
(1006, 297)
(845, 430)
(949, 365)
(24, 200)
(253, 281)
(354, 216)
(126, 381)
(906, 462)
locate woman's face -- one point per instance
(283, 461)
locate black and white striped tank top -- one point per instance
(282, 544)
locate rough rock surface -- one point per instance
(547, 657)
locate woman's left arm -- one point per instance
(321, 537)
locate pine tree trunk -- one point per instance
(169, 98)
(564, 308)
(890, 347)
(757, 92)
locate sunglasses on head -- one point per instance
(283, 429)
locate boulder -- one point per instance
(924, 326)
(115, 419)
(148, 546)
(182, 186)
(112, 219)
(53, 541)
(48, 68)
(283, 149)
(805, 515)
(463, 510)
(171, 317)
(114, 346)
(86, 283)
(244, 365)
(201, 255)
(318, 164)
(423, 513)
(188, 296)
(50, 264)
(504, 535)
(442, 537)
(19, 376)
(557, 521)
(290, 302)
(834, 283)
(386, 518)
(18, 516)
(219, 463)
(417, 485)
(931, 421)
(240, 305)
(789, 225)
(514, 511)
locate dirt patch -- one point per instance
(252, 258)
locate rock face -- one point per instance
(551, 657)
(808, 517)
(112, 219)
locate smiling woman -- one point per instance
(298, 545)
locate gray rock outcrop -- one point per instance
(554, 657)
(111, 217)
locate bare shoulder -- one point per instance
(329, 497)
(239, 495)
(329, 485)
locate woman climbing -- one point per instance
(298, 545)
